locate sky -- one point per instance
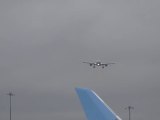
(44, 42)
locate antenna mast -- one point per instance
(129, 110)
(10, 96)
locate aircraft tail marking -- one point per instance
(94, 107)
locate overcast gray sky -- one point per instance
(44, 42)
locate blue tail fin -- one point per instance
(94, 107)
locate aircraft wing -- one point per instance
(88, 62)
(94, 107)
(108, 64)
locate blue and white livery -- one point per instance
(94, 107)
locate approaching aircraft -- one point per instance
(98, 64)
(94, 107)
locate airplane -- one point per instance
(98, 64)
(94, 107)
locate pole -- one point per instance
(129, 110)
(10, 96)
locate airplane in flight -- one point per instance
(94, 107)
(98, 64)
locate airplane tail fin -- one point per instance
(94, 107)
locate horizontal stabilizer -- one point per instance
(94, 107)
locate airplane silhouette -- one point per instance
(98, 64)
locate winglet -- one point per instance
(94, 107)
